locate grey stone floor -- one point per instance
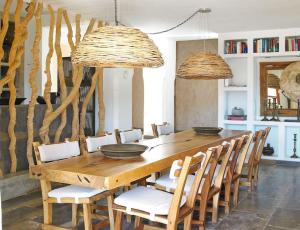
(275, 204)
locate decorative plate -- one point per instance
(207, 130)
(123, 151)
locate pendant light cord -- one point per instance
(117, 22)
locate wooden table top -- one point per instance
(98, 171)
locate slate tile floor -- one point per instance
(275, 204)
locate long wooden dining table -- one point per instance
(97, 171)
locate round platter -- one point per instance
(123, 151)
(207, 130)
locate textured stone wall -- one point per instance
(196, 101)
(21, 133)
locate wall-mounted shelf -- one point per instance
(245, 68)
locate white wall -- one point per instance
(159, 86)
(117, 85)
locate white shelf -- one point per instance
(241, 55)
(235, 88)
(245, 68)
(233, 122)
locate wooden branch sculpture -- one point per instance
(20, 35)
(87, 100)
(63, 88)
(45, 136)
(32, 80)
(101, 113)
(54, 114)
(4, 28)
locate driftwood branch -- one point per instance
(101, 112)
(5, 23)
(45, 135)
(32, 80)
(20, 35)
(87, 100)
(61, 76)
(54, 114)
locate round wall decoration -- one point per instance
(290, 81)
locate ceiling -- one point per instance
(156, 15)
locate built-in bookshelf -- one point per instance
(235, 46)
(266, 45)
(243, 89)
(292, 43)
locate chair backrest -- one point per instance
(262, 143)
(256, 140)
(243, 153)
(196, 164)
(241, 141)
(93, 143)
(222, 170)
(54, 152)
(164, 129)
(129, 136)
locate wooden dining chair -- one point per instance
(161, 206)
(164, 129)
(128, 136)
(167, 184)
(70, 194)
(251, 166)
(215, 190)
(238, 169)
(239, 154)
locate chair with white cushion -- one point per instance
(163, 207)
(129, 136)
(71, 194)
(92, 144)
(233, 172)
(164, 129)
(206, 190)
(251, 166)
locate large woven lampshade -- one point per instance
(117, 46)
(204, 66)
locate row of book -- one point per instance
(236, 117)
(292, 44)
(264, 45)
(236, 47)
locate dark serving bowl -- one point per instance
(207, 130)
(5, 101)
(123, 151)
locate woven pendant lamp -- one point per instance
(204, 66)
(117, 46)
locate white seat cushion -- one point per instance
(164, 129)
(93, 143)
(60, 151)
(131, 136)
(74, 191)
(170, 184)
(147, 199)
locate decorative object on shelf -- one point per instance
(268, 150)
(266, 45)
(237, 111)
(236, 117)
(117, 46)
(290, 84)
(275, 114)
(295, 144)
(265, 111)
(204, 66)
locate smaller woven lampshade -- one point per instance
(204, 66)
(117, 46)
